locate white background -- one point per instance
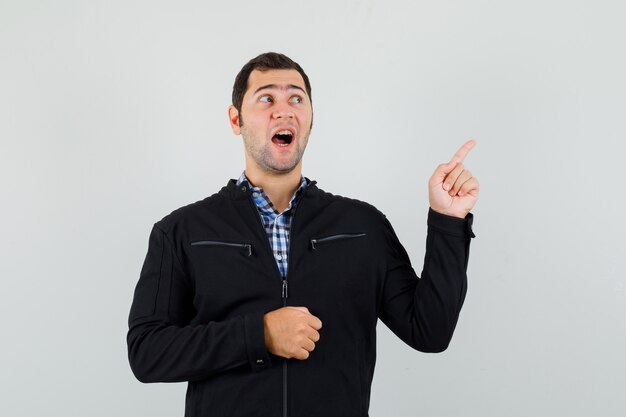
(113, 114)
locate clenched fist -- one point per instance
(291, 332)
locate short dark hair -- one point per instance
(264, 62)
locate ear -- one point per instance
(233, 118)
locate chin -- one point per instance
(281, 170)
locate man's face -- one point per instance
(275, 120)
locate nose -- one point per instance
(282, 112)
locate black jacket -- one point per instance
(209, 277)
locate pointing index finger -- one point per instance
(460, 155)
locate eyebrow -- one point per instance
(279, 87)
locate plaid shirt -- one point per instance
(277, 225)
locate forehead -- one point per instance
(279, 78)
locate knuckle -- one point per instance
(292, 350)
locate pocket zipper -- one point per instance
(335, 237)
(246, 246)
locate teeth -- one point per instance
(284, 132)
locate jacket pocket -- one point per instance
(246, 248)
(335, 238)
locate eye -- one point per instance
(296, 99)
(265, 99)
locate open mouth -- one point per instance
(282, 138)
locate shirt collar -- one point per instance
(263, 202)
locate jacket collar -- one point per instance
(238, 192)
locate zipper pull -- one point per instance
(313, 242)
(285, 291)
(249, 247)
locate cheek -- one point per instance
(261, 116)
(255, 122)
(306, 117)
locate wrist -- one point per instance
(450, 213)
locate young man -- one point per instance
(265, 296)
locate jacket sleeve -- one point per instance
(163, 346)
(423, 312)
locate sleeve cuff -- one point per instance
(451, 225)
(258, 356)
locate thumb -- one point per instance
(442, 171)
(447, 168)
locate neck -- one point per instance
(278, 187)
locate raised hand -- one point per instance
(452, 190)
(291, 332)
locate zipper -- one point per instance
(285, 284)
(285, 294)
(284, 289)
(246, 246)
(335, 237)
